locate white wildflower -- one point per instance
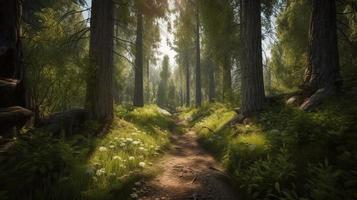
(112, 146)
(116, 158)
(142, 164)
(131, 158)
(100, 172)
(103, 149)
(136, 142)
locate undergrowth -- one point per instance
(285, 153)
(38, 166)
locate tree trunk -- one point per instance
(139, 76)
(227, 79)
(100, 83)
(187, 65)
(12, 71)
(211, 82)
(198, 59)
(253, 96)
(322, 76)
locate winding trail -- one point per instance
(188, 172)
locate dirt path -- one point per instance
(188, 172)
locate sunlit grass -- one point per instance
(87, 166)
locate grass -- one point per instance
(84, 166)
(286, 153)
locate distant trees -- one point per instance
(151, 10)
(100, 80)
(221, 34)
(253, 96)
(162, 94)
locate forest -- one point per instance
(178, 99)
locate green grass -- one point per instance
(286, 153)
(87, 167)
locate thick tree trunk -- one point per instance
(322, 76)
(139, 76)
(198, 59)
(100, 83)
(187, 66)
(227, 79)
(253, 96)
(212, 83)
(12, 71)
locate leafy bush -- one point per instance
(33, 163)
(268, 177)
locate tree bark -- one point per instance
(12, 70)
(211, 82)
(253, 96)
(139, 82)
(322, 75)
(187, 65)
(198, 58)
(100, 83)
(227, 78)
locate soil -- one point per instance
(187, 172)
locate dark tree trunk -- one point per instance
(187, 66)
(12, 71)
(211, 82)
(139, 76)
(198, 59)
(322, 76)
(100, 83)
(253, 96)
(227, 79)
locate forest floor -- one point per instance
(187, 172)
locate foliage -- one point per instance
(286, 153)
(84, 166)
(56, 64)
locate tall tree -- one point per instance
(139, 79)
(100, 82)
(221, 39)
(198, 57)
(12, 71)
(253, 96)
(188, 76)
(322, 76)
(151, 10)
(162, 94)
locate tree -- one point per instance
(162, 94)
(139, 68)
(198, 57)
(322, 76)
(221, 40)
(151, 10)
(253, 96)
(12, 72)
(100, 82)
